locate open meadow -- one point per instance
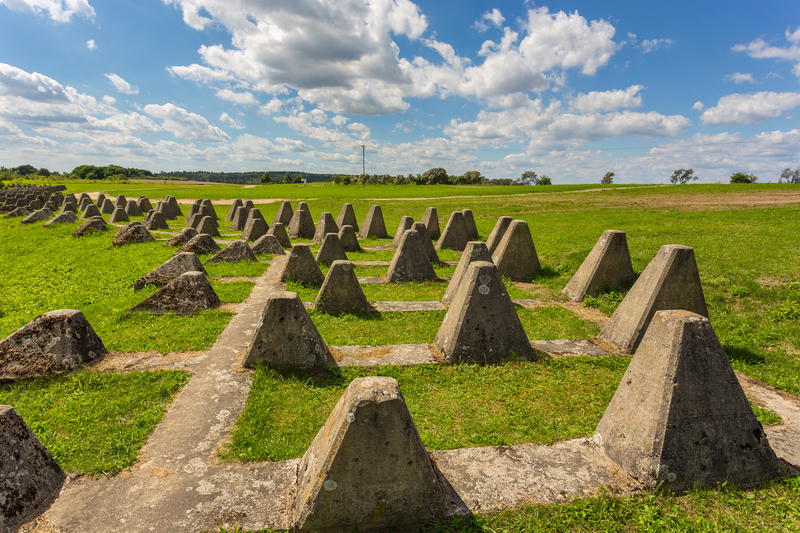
(746, 240)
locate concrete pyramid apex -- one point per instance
(331, 250)
(302, 225)
(249, 205)
(410, 261)
(100, 199)
(481, 325)
(431, 221)
(37, 204)
(90, 211)
(284, 214)
(134, 232)
(144, 204)
(454, 236)
(82, 197)
(516, 256)
(341, 292)
(474, 251)
(107, 207)
(497, 233)
(253, 213)
(173, 205)
(234, 253)
(207, 210)
(132, 209)
(182, 237)
(469, 222)
(427, 243)
(200, 244)
(120, 201)
(172, 268)
(190, 213)
(187, 294)
(236, 204)
(302, 267)
(84, 202)
(267, 244)
(367, 466)
(255, 228)
(405, 223)
(347, 236)
(37, 216)
(66, 217)
(166, 210)
(278, 230)
(285, 336)
(194, 222)
(607, 267)
(326, 225)
(92, 225)
(670, 281)
(373, 225)
(208, 226)
(57, 341)
(680, 416)
(155, 220)
(119, 215)
(347, 217)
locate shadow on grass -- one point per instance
(743, 355)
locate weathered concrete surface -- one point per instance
(516, 256)
(374, 225)
(232, 211)
(178, 264)
(164, 209)
(497, 233)
(233, 253)
(396, 354)
(182, 237)
(67, 217)
(670, 281)
(58, 341)
(18, 212)
(254, 228)
(347, 217)
(367, 466)
(208, 226)
(90, 226)
(326, 225)
(347, 236)
(90, 211)
(680, 417)
(200, 244)
(28, 473)
(469, 222)
(302, 225)
(132, 233)
(173, 205)
(431, 221)
(284, 214)
(120, 201)
(107, 207)
(331, 250)
(284, 336)
(239, 218)
(474, 251)
(454, 236)
(278, 230)
(427, 243)
(410, 261)
(187, 294)
(144, 204)
(341, 292)
(37, 216)
(301, 266)
(267, 244)
(408, 306)
(132, 209)
(155, 220)
(405, 223)
(569, 347)
(607, 267)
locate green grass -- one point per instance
(94, 423)
(232, 291)
(417, 327)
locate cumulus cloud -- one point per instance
(648, 45)
(747, 109)
(608, 100)
(186, 125)
(59, 10)
(121, 85)
(760, 49)
(90, 44)
(232, 122)
(244, 98)
(739, 77)
(698, 106)
(493, 17)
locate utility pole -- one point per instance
(363, 165)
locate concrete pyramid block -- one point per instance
(166, 210)
(119, 215)
(347, 236)
(680, 416)
(82, 204)
(249, 205)
(144, 204)
(474, 251)
(481, 324)
(302, 225)
(267, 244)
(284, 214)
(155, 220)
(607, 267)
(92, 225)
(347, 217)
(469, 222)
(516, 256)
(239, 218)
(182, 237)
(302, 267)
(427, 243)
(252, 213)
(670, 281)
(234, 253)
(367, 466)
(51, 205)
(190, 213)
(173, 205)
(83, 196)
(69, 207)
(36, 204)
(132, 209)
(431, 221)
(37, 216)
(255, 228)
(236, 204)
(285, 336)
(208, 226)
(172, 268)
(410, 261)
(278, 230)
(373, 225)
(326, 225)
(497, 233)
(187, 294)
(121, 201)
(61, 219)
(207, 210)
(454, 236)
(194, 222)
(108, 206)
(90, 211)
(134, 232)
(331, 250)
(405, 223)
(28, 473)
(200, 244)
(341, 292)
(57, 341)
(18, 212)
(100, 199)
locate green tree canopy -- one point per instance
(435, 176)
(682, 176)
(608, 179)
(529, 177)
(265, 178)
(741, 177)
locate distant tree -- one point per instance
(298, 178)
(435, 176)
(789, 176)
(24, 170)
(682, 176)
(741, 177)
(265, 178)
(545, 180)
(528, 177)
(608, 179)
(473, 177)
(43, 172)
(287, 178)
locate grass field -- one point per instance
(746, 244)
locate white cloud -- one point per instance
(747, 109)
(273, 106)
(494, 17)
(121, 85)
(761, 50)
(201, 74)
(608, 100)
(230, 121)
(12, 134)
(739, 77)
(244, 98)
(90, 44)
(186, 125)
(59, 10)
(698, 106)
(648, 45)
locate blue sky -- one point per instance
(570, 89)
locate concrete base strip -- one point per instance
(398, 354)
